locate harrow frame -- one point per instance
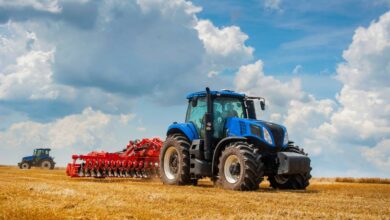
(139, 159)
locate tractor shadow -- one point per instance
(202, 184)
(271, 190)
(264, 189)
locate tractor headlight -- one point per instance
(285, 139)
(267, 136)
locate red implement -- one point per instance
(139, 159)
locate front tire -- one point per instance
(175, 161)
(25, 166)
(240, 168)
(294, 181)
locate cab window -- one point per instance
(196, 114)
(223, 108)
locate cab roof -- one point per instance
(228, 93)
(42, 149)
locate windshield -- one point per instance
(225, 107)
(40, 152)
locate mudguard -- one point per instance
(188, 129)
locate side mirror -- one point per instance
(194, 102)
(262, 105)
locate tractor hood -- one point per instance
(28, 158)
(277, 132)
(271, 134)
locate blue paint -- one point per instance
(216, 93)
(234, 129)
(188, 129)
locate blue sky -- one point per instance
(84, 75)
(312, 34)
(295, 29)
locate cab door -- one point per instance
(195, 114)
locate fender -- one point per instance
(218, 149)
(188, 129)
(45, 157)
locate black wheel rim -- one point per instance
(281, 179)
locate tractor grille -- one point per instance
(242, 127)
(255, 130)
(277, 133)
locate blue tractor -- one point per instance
(222, 139)
(40, 158)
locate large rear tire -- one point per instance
(47, 164)
(293, 181)
(175, 161)
(240, 168)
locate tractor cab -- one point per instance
(41, 152)
(225, 104)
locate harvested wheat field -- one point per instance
(43, 194)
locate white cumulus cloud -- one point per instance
(30, 77)
(115, 49)
(287, 102)
(225, 46)
(252, 80)
(364, 116)
(351, 131)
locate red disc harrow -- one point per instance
(139, 159)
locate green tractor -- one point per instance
(222, 139)
(40, 158)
